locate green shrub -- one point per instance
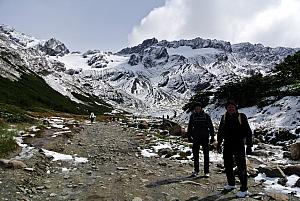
(13, 114)
(32, 93)
(7, 141)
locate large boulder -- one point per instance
(271, 171)
(13, 163)
(173, 128)
(292, 169)
(295, 151)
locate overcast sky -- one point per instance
(115, 24)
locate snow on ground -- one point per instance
(148, 153)
(77, 61)
(74, 61)
(175, 145)
(56, 123)
(57, 156)
(64, 157)
(27, 151)
(271, 184)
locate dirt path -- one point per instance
(115, 171)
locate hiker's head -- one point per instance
(197, 107)
(231, 107)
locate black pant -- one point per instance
(235, 152)
(205, 148)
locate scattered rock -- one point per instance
(165, 151)
(286, 154)
(260, 153)
(292, 169)
(173, 128)
(271, 171)
(297, 184)
(13, 163)
(53, 194)
(137, 199)
(278, 196)
(29, 169)
(122, 168)
(143, 125)
(282, 181)
(295, 151)
(162, 164)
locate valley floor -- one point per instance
(115, 170)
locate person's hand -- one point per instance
(219, 148)
(212, 140)
(248, 150)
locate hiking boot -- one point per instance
(195, 174)
(242, 194)
(229, 187)
(206, 175)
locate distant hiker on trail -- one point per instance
(92, 117)
(234, 129)
(200, 127)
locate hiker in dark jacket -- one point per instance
(234, 130)
(199, 129)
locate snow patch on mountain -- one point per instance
(282, 114)
(19, 38)
(189, 52)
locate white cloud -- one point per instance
(270, 22)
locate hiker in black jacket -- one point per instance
(234, 129)
(199, 129)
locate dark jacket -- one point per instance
(234, 129)
(200, 127)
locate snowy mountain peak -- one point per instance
(54, 47)
(139, 48)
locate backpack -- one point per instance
(239, 118)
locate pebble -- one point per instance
(53, 194)
(137, 199)
(40, 187)
(29, 169)
(122, 168)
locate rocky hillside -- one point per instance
(22, 66)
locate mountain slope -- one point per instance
(21, 86)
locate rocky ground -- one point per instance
(114, 170)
